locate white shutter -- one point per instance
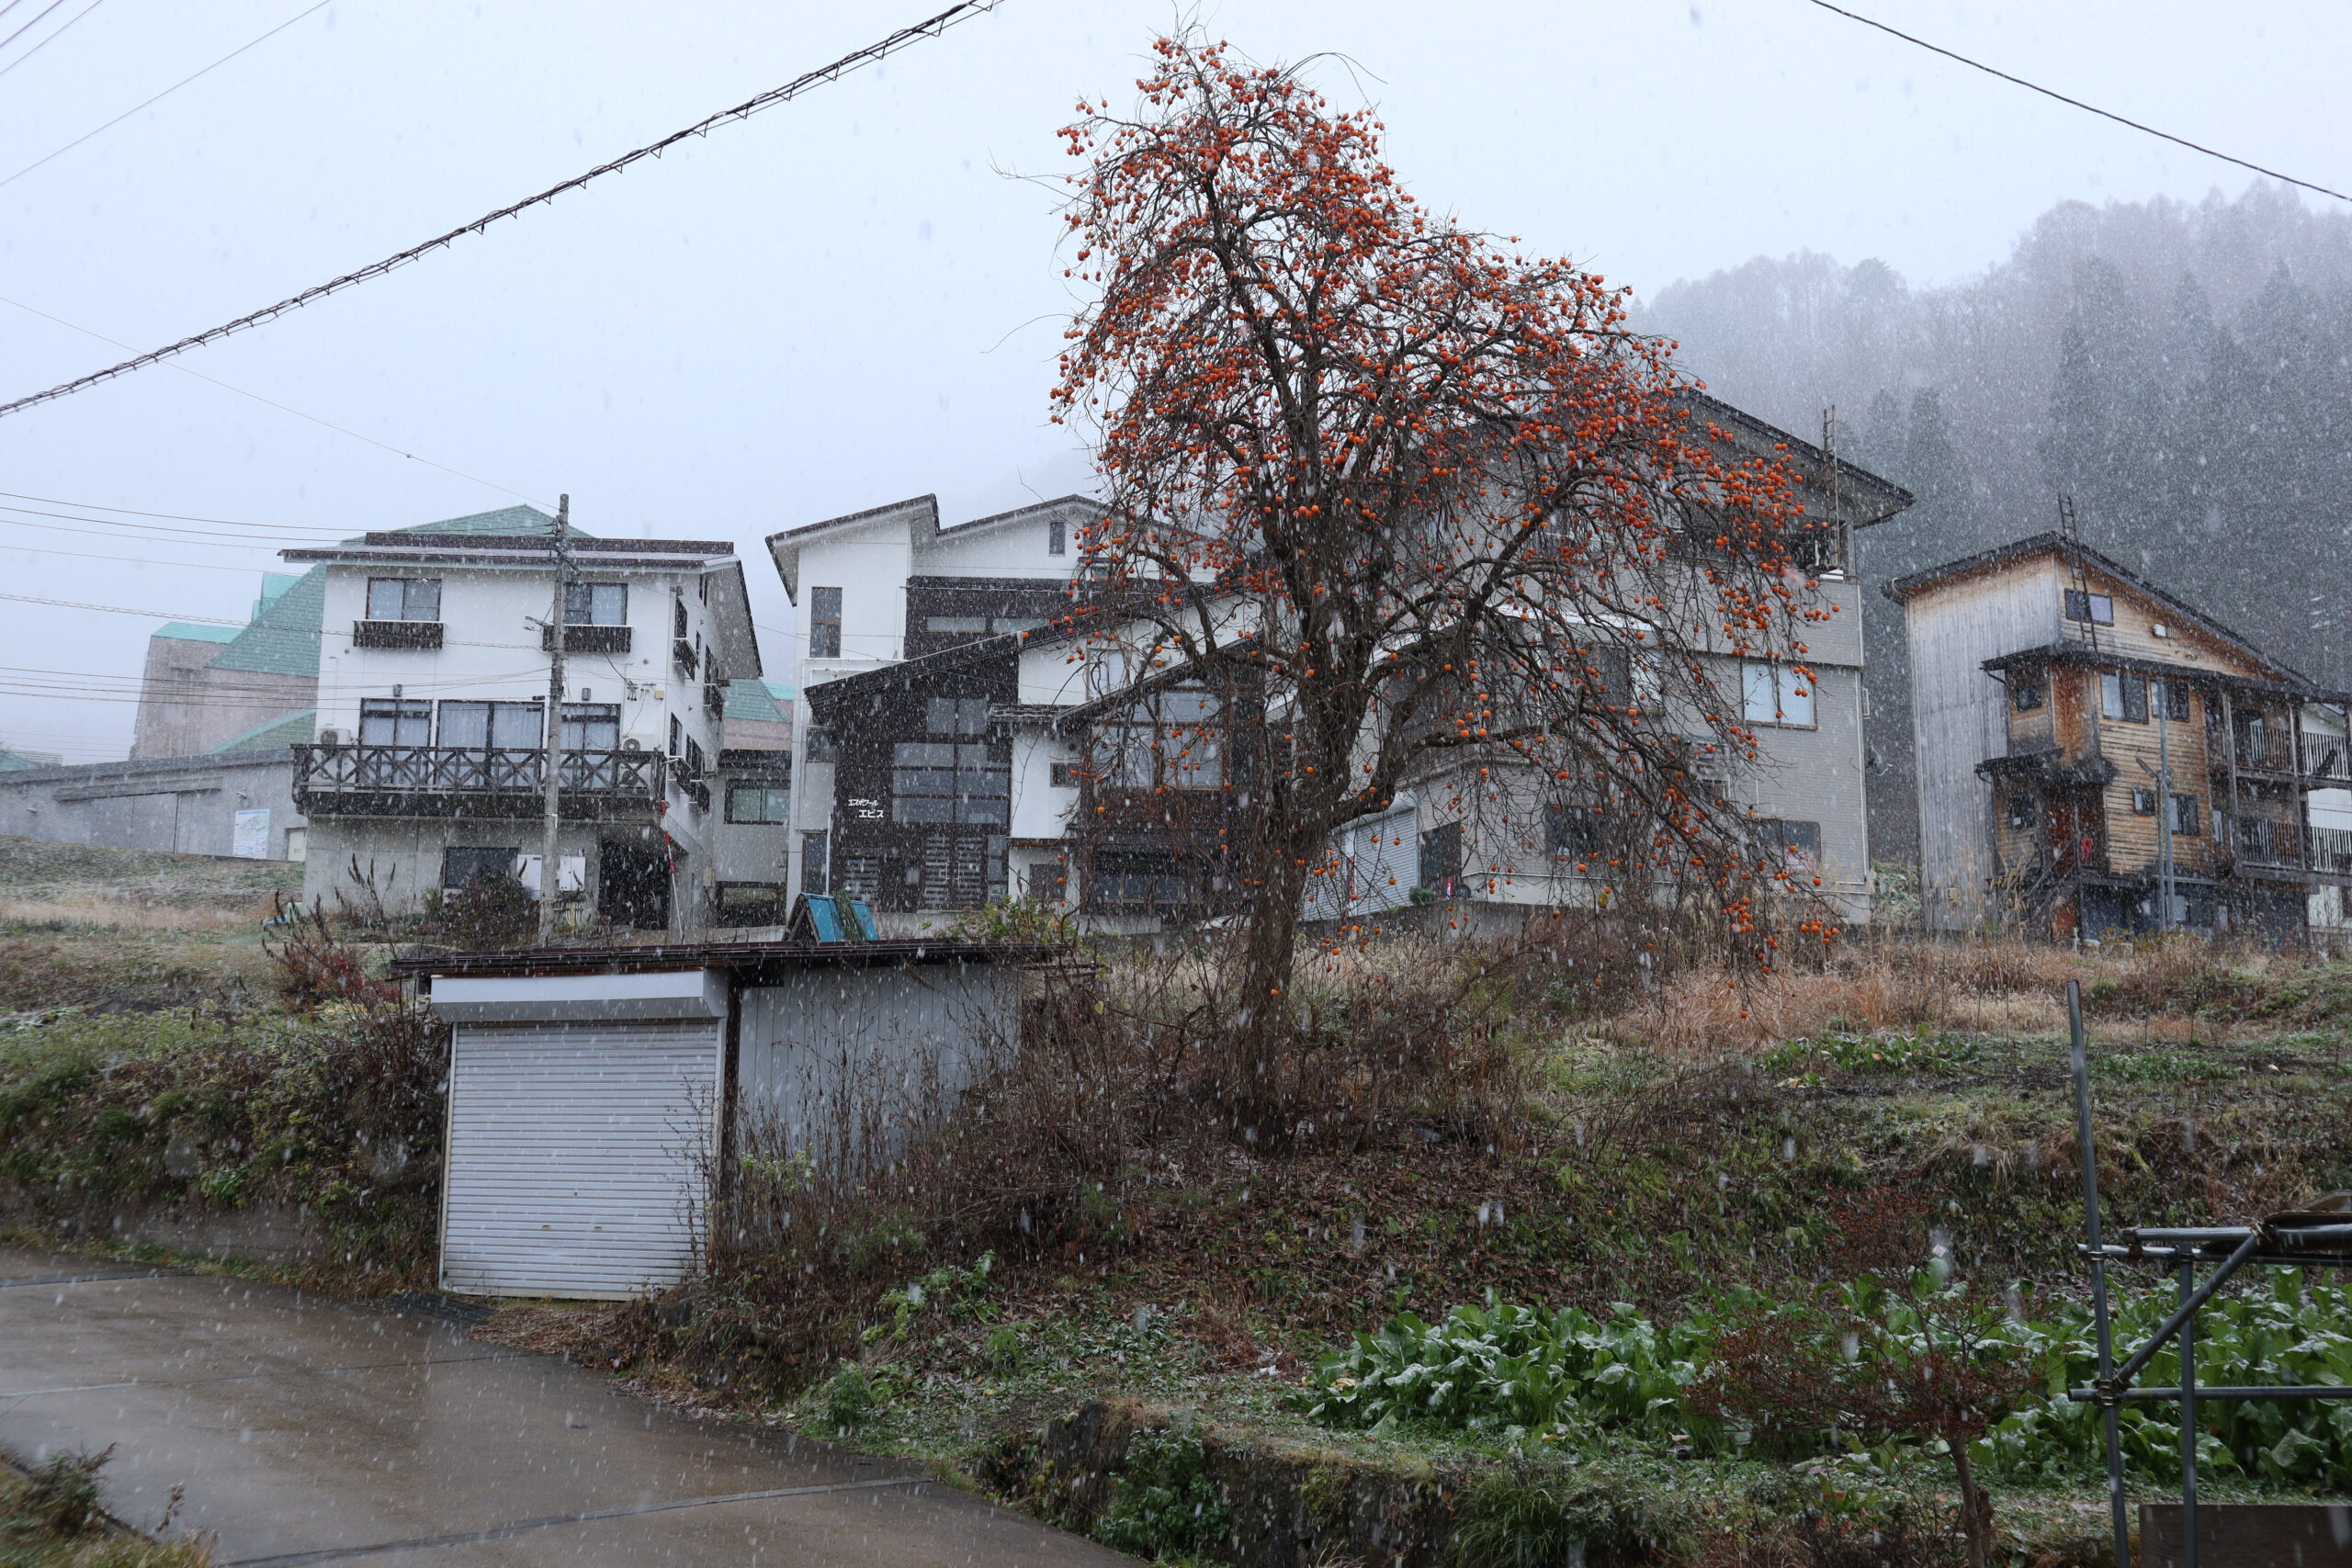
(575, 1155)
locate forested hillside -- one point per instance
(2185, 373)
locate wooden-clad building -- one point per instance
(2098, 756)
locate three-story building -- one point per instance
(428, 769)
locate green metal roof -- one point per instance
(284, 638)
(756, 700)
(10, 761)
(510, 521)
(188, 631)
(274, 735)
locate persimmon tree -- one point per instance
(1428, 502)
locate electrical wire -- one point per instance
(871, 53)
(28, 27)
(133, 511)
(211, 544)
(2076, 103)
(167, 92)
(127, 561)
(53, 38)
(282, 408)
(108, 527)
(241, 625)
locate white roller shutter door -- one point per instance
(575, 1155)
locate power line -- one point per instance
(53, 38)
(107, 527)
(215, 543)
(28, 27)
(167, 92)
(129, 560)
(871, 53)
(120, 610)
(133, 511)
(2076, 103)
(282, 408)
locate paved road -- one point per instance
(311, 1430)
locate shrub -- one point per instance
(1165, 1502)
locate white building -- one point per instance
(432, 683)
(955, 748)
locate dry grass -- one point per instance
(1994, 986)
(90, 911)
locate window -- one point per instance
(677, 737)
(1572, 832)
(942, 781)
(2184, 816)
(506, 727)
(812, 861)
(1172, 739)
(462, 867)
(2143, 803)
(2123, 696)
(1016, 622)
(592, 727)
(1061, 775)
(1440, 865)
(957, 716)
(2173, 695)
(824, 623)
(2021, 811)
(1057, 536)
(1776, 693)
(821, 747)
(1047, 880)
(403, 598)
(390, 721)
(678, 618)
(2097, 609)
(598, 604)
(1799, 843)
(956, 626)
(2025, 692)
(695, 766)
(758, 803)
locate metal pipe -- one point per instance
(2079, 1052)
(2190, 1297)
(2208, 1391)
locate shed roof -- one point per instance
(739, 956)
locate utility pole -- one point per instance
(549, 861)
(2165, 876)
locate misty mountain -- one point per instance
(2183, 372)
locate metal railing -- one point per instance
(2273, 749)
(2258, 841)
(365, 769)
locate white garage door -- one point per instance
(575, 1155)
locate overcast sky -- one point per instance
(847, 301)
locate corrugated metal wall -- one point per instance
(838, 1063)
(576, 1151)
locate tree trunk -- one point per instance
(1975, 1509)
(1255, 1089)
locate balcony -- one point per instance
(2261, 847)
(586, 639)
(358, 780)
(682, 654)
(2320, 759)
(396, 634)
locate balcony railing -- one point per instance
(2320, 758)
(2291, 846)
(396, 634)
(586, 639)
(682, 654)
(441, 780)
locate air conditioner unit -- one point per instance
(329, 738)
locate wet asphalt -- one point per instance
(305, 1429)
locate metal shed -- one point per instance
(595, 1095)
